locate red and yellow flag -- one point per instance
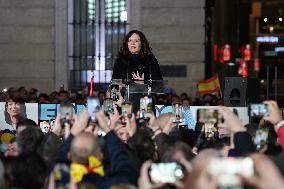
(210, 85)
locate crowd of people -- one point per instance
(111, 149)
(79, 97)
(139, 153)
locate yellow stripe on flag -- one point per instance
(210, 85)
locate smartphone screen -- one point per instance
(108, 105)
(209, 116)
(145, 106)
(66, 114)
(228, 169)
(177, 111)
(44, 126)
(114, 92)
(126, 110)
(261, 137)
(93, 105)
(258, 110)
(166, 172)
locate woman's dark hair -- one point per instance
(25, 171)
(30, 140)
(21, 116)
(145, 47)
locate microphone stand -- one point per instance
(127, 81)
(150, 80)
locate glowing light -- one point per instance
(280, 19)
(267, 39)
(279, 49)
(123, 16)
(271, 29)
(265, 19)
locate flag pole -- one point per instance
(91, 84)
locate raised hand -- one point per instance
(275, 114)
(137, 78)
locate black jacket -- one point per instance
(126, 65)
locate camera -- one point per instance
(258, 110)
(66, 114)
(166, 172)
(228, 169)
(209, 116)
(114, 92)
(93, 105)
(108, 105)
(145, 106)
(126, 111)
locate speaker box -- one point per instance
(235, 89)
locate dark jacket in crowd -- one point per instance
(121, 170)
(243, 144)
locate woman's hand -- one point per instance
(137, 78)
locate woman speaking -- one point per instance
(135, 60)
(136, 63)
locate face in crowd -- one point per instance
(13, 108)
(134, 43)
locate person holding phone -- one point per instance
(135, 60)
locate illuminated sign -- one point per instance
(279, 49)
(267, 39)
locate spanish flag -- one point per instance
(210, 85)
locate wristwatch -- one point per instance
(278, 125)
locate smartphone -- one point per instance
(114, 92)
(209, 116)
(258, 110)
(177, 111)
(44, 126)
(93, 106)
(108, 105)
(261, 137)
(145, 106)
(66, 114)
(166, 172)
(228, 169)
(126, 110)
(209, 130)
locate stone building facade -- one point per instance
(34, 46)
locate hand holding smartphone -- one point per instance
(228, 169)
(258, 110)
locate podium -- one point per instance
(134, 91)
